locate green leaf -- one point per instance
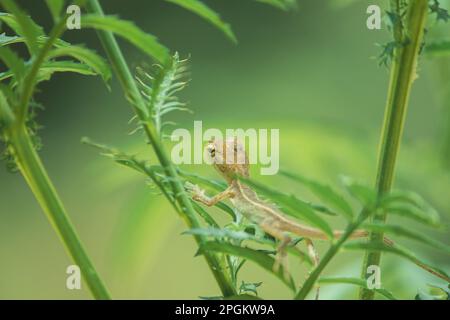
(87, 56)
(281, 4)
(410, 203)
(203, 181)
(130, 32)
(292, 206)
(55, 7)
(208, 14)
(250, 287)
(49, 68)
(7, 40)
(15, 65)
(438, 49)
(261, 259)
(357, 282)
(205, 215)
(220, 234)
(159, 90)
(411, 212)
(437, 292)
(323, 192)
(402, 252)
(408, 233)
(362, 193)
(6, 114)
(22, 24)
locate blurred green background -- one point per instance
(311, 73)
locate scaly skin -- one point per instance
(230, 159)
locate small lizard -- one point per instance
(270, 219)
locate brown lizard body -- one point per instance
(270, 219)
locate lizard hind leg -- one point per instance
(312, 252)
(281, 257)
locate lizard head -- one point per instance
(228, 157)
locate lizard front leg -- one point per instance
(199, 195)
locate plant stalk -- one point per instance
(403, 73)
(34, 173)
(131, 90)
(331, 252)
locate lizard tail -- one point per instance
(312, 233)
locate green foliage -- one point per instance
(292, 206)
(364, 194)
(411, 205)
(435, 292)
(324, 193)
(130, 32)
(399, 251)
(159, 90)
(88, 57)
(206, 13)
(249, 287)
(258, 257)
(55, 7)
(22, 25)
(408, 233)
(441, 13)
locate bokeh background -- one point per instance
(312, 73)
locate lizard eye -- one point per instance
(212, 151)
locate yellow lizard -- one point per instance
(270, 219)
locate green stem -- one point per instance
(130, 88)
(331, 252)
(403, 73)
(34, 173)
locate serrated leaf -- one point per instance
(41, 40)
(408, 233)
(15, 65)
(411, 212)
(201, 9)
(87, 56)
(407, 202)
(261, 259)
(130, 32)
(362, 193)
(324, 193)
(55, 7)
(357, 282)
(49, 68)
(292, 206)
(158, 89)
(22, 24)
(402, 252)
